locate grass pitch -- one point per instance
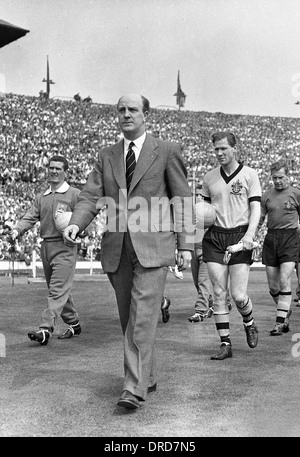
(70, 388)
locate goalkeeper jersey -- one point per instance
(282, 207)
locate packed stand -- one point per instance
(32, 129)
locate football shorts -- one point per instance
(280, 245)
(217, 239)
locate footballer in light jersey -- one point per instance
(235, 192)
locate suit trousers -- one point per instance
(139, 292)
(59, 262)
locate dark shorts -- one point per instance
(280, 246)
(217, 239)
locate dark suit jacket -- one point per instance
(159, 179)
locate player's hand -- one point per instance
(184, 259)
(69, 234)
(247, 242)
(256, 249)
(240, 246)
(14, 233)
(227, 257)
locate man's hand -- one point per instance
(70, 233)
(184, 259)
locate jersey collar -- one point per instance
(226, 178)
(61, 190)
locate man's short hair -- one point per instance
(218, 136)
(58, 158)
(145, 103)
(276, 166)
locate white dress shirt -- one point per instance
(138, 144)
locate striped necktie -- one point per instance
(130, 164)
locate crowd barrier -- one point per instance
(35, 269)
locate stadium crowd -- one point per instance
(32, 129)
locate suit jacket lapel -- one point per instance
(117, 161)
(147, 155)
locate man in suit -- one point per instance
(148, 200)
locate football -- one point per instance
(205, 214)
(62, 220)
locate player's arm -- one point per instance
(255, 213)
(28, 221)
(247, 242)
(263, 214)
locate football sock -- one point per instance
(283, 306)
(275, 296)
(245, 310)
(222, 326)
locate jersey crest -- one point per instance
(60, 208)
(289, 205)
(236, 187)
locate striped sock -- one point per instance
(283, 306)
(245, 310)
(222, 326)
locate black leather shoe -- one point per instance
(152, 388)
(72, 330)
(279, 329)
(165, 304)
(251, 335)
(128, 400)
(224, 352)
(41, 336)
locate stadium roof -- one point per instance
(10, 32)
